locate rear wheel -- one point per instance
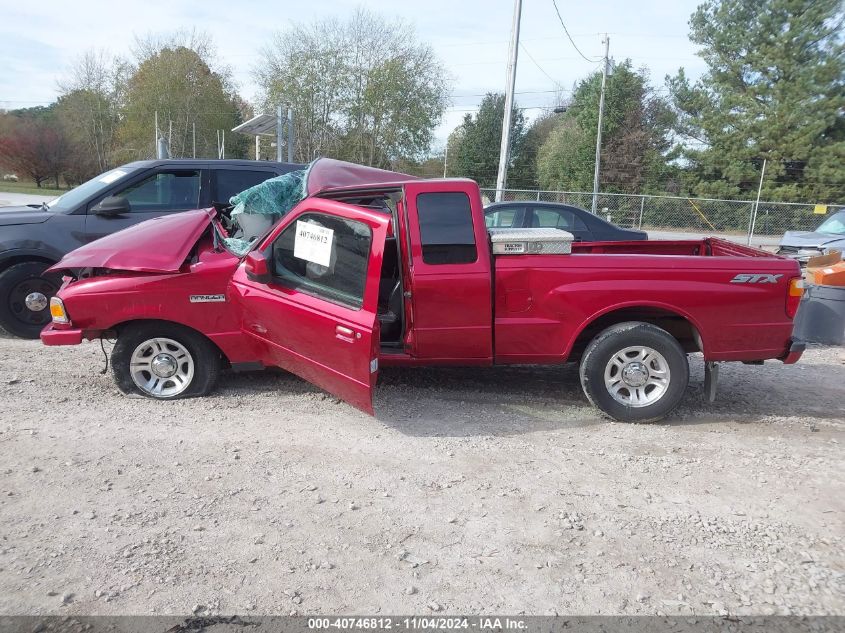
(25, 293)
(164, 361)
(634, 372)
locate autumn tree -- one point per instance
(34, 146)
(774, 89)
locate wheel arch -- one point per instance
(22, 257)
(678, 323)
(118, 327)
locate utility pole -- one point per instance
(162, 147)
(280, 130)
(445, 157)
(290, 134)
(753, 222)
(605, 68)
(194, 135)
(505, 150)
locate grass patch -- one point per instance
(29, 187)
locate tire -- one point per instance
(634, 372)
(164, 361)
(18, 282)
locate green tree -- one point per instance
(477, 144)
(362, 89)
(522, 174)
(635, 137)
(774, 89)
(174, 77)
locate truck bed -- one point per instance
(732, 296)
(709, 246)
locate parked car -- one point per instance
(375, 268)
(585, 226)
(34, 237)
(802, 245)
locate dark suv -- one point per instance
(34, 237)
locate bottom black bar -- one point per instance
(428, 623)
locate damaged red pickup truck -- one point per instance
(376, 268)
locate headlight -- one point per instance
(57, 310)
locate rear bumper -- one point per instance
(796, 348)
(52, 336)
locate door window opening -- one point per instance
(325, 256)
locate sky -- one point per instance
(39, 41)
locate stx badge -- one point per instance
(759, 278)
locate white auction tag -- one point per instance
(313, 243)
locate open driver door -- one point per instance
(309, 297)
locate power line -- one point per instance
(571, 41)
(531, 57)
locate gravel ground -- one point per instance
(497, 491)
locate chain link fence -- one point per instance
(681, 217)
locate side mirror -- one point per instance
(111, 206)
(256, 267)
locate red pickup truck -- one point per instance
(375, 268)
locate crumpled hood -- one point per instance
(809, 238)
(10, 216)
(160, 245)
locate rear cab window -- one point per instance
(446, 230)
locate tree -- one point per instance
(174, 78)
(34, 146)
(89, 111)
(363, 90)
(522, 173)
(774, 89)
(477, 153)
(635, 137)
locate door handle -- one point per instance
(345, 333)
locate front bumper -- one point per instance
(800, 255)
(52, 336)
(796, 348)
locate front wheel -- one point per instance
(25, 293)
(634, 372)
(164, 361)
